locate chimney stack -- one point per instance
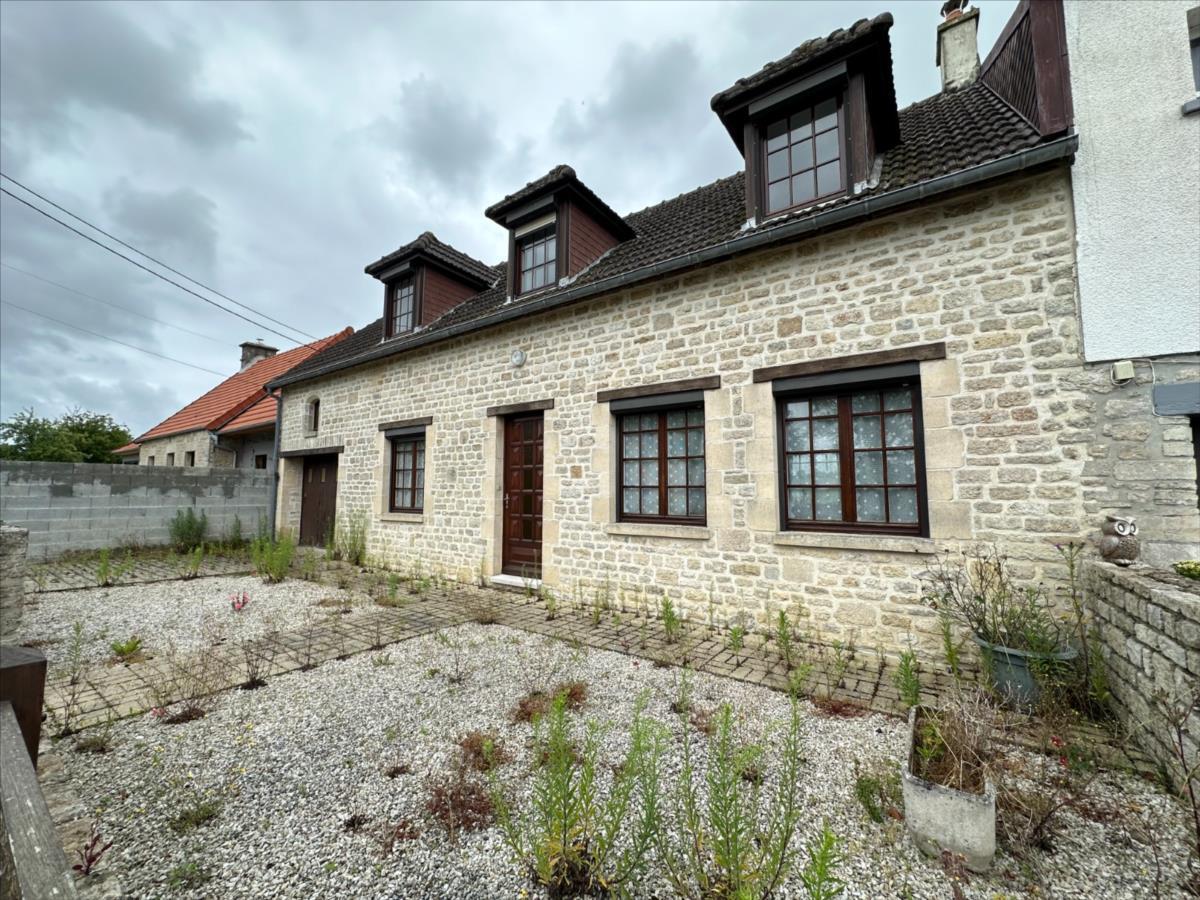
(253, 351)
(958, 45)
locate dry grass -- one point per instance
(459, 801)
(536, 704)
(483, 751)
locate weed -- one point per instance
(125, 650)
(273, 558)
(188, 530)
(258, 654)
(951, 649)
(573, 840)
(397, 769)
(551, 602)
(98, 741)
(736, 640)
(381, 660)
(355, 823)
(308, 565)
(784, 638)
(908, 678)
(877, 789)
(91, 852)
(192, 563)
(108, 574)
(670, 619)
(458, 658)
(188, 875)
(459, 801)
(798, 678)
(404, 830)
(483, 608)
(483, 751)
(819, 874)
(198, 813)
(351, 537)
(537, 703)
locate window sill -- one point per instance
(409, 518)
(679, 532)
(1191, 107)
(869, 542)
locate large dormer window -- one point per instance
(804, 157)
(538, 253)
(402, 307)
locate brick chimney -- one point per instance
(253, 351)
(958, 45)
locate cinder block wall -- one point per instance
(1151, 634)
(82, 506)
(13, 542)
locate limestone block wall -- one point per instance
(83, 506)
(197, 442)
(14, 543)
(1150, 626)
(1008, 419)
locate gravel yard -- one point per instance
(183, 611)
(293, 764)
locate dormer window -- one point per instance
(804, 157)
(539, 258)
(402, 312)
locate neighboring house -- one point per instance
(1136, 186)
(795, 384)
(233, 425)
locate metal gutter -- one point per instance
(273, 493)
(1052, 151)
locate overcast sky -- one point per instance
(272, 150)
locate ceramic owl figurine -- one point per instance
(1119, 541)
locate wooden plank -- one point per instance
(917, 353)
(23, 684)
(513, 409)
(710, 383)
(31, 856)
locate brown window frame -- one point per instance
(417, 472)
(846, 463)
(843, 153)
(392, 317)
(543, 236)
(314, 414)
(662, 457)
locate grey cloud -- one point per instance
(60, 60)
(178, 225)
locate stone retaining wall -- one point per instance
(13, 545)
(1149, 622)
(83, 506)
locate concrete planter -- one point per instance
(1011, 671)
(941, 818)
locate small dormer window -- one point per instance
(539, 258)
(804, 157)
(402, 312)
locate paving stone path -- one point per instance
(81, 572)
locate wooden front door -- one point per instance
(318, 499)
(523, 496)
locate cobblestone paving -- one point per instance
(81, 572)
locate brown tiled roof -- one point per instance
(429, 244)
(556, 176)
(807, 55)
(240, 392)
(942, 135)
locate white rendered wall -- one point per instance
(1136, 177)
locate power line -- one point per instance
(113, 339)
(143, 253)
(132, 312)
(188, 290)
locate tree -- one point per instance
(77, 436)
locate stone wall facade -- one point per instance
(1150, 626)
(1143, 465)
(14, 544)
(197, 442)
(1008, 420)
(83, 506)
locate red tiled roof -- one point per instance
(131, 447)
(260, 414)
(239, 394)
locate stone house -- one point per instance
(791, 386)
(231, 426)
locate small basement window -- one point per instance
(537, 254)
(804, 157)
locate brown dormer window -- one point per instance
(402, 308)
(538, 253)
(804, 157)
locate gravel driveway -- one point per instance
(179, 611)
(293, 761)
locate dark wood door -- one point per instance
(523, 496)
(318, 499)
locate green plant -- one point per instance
(188, 530)
(352, 537)
(784, 638)
(1188, 568)
(108, 574)
(908, 678)
(483, 751)
(1087, 684)
(188, 875)
(234, 537)
(192, 563)
(670, 619)
(125, 650)
(272, 559)
(99, 741)
(951, 649)
(819, 874)
(798, 679)
(980, 593)
(91, 852)
(551, 602)
(736, 639)
(836, 661)
(199, 812)
(877, 789)
(573, 839)
(722, 844)
(308, 564)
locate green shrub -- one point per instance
(235, 538)
(188, 530)
(351, 538)
(574, 840)
(108, 574)
(908, 678)
(272, 559)
(721, 843)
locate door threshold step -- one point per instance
(515, 582)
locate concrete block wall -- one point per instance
(1150, 627)
(83, 506)
(13, 544)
